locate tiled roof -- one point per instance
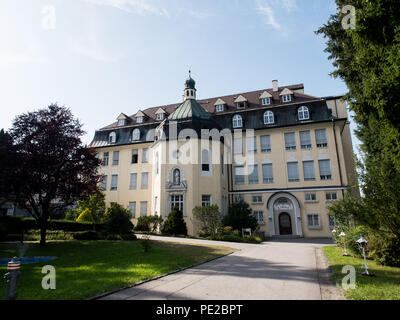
(253, 103)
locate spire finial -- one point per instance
(190, 73)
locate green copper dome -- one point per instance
(190, 83)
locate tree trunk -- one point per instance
(43, 229)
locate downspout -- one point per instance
(337, 156)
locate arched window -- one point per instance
(268, 117)
(112, 138)
(205, 161)
(304, 114)
(177, 177)
(135, 134)
(237, 121)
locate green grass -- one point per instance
(88, 268)
(385, 286)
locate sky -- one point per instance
(103, 57)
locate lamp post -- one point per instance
(343, 235)
(363, 244)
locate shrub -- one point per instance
(117, 220)
(240, 216)
(352, 235)
(384, 249)
(175, 225)
(148, 223)
(3, 230)
(146, 243)
(86, 235)
(208, 217)
(252, 239)
(85, 216)
(72, 214)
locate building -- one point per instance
(286, 153)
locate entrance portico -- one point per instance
(284, 216)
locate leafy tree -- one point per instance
(117, 220)
(54, 168)
(95, 203)
(240, 216)
(209, 218)
(175, 225)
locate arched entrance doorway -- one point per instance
(285, 224)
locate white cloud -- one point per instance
(9, 58)
(265, 9)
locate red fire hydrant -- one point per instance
(11, 277)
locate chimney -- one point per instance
(274, 85)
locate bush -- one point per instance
(384, 249)
(148, 223)
(352, 235)
(146, 243)
(252, 239)
(86, 235)
(240, 216)
(209, 218)
(175, 225)
(3, 230)
(72, 214)
(117, 220)
(85, 216)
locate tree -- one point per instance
(96, 205)
(148, 223)
(208, 217)
(240, 216)
(55, 169)
(175, 225)
(117, 220)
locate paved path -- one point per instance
(281, 270)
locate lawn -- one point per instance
(88, 268)
(385, 286)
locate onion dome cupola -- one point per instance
(190, 88)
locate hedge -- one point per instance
(18, 225)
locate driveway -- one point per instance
(274, 270)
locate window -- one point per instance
(145, 155)
(286, 98)
(313, 220)
(112, 138)
(253, 174)
(104, 161)
(332, 222)
(251, 145)
(135, 155)
(320, 137)
(293, 171)
(238, 198)
(205, 200)
(219, 108)
(143, 208)
(132, 209)
(160, 116)
(239, 174)
(240, 105)
(177, 202)
(237, 121)
(115, 158)
(265, 101)
(133, 181)
(238, 146)
(136, 135)
(256, 199)
(103, 183)
(121, 122)
(265, 142)
(144, 181)
(114, 182)
(139, 120)
(305, 139)
(259, 215)
(311, 197)
(268, 117)
(268, 175)
(290, 141)
(205, 161)
(303, 113)
(325, 169)
(308, 170)
(331, 196)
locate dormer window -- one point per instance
(219, 108)
(265, 101)
(112, 137)
(136, 135)
(160, 116)
(121, 122)
(286, 98)
(241, 102)
(139, 120)
(304, 114)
